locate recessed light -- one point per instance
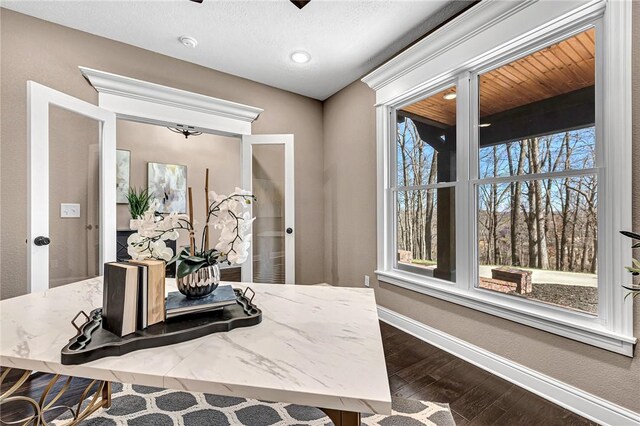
(484, 125)
(450, 96)
(188, 41)
(300, 57)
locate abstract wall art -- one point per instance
(123, 171)
(167, 184)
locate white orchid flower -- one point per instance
(231, 216)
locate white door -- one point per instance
(55, 172)
(267, 171)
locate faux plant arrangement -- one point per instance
(138, 202)
(197, 272)
(634, 290)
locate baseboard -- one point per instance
(567, 396)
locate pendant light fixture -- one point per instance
(184, 130)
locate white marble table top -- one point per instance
(316, 345)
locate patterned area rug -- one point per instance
(146, 406)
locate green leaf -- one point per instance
(194, 259)
(174, 258)
(632, 235)
(185, 268)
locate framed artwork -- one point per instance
(123, 170)
(167, 183)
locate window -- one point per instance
(536, 214)
(504, 169)
(424, 193)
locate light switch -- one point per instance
(69, 210)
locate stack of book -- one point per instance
(133, 295)
(178, 305)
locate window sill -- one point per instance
(584, 330)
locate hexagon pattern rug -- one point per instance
(134, 405)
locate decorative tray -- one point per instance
(93, 342)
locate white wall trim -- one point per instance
(548, 318)
(149, 102)
(580, 402)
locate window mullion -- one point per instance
(464, 239)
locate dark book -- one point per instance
(178, 304)
(120, 298)
(143, 297)
(208, 312)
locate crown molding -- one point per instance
(478, 19)
(126, 87)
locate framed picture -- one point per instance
(167, 183)
(123, 170)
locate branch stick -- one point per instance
(192, 239)
(206, 214)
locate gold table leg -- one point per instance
(342, 418)
(99, 391)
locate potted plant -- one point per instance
(138, 205)
(634, 290)
(198, 273)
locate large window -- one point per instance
(505, 173)
(537, 190)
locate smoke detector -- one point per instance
(188, 41)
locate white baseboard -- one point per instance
(567, 396)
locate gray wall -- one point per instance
(50, 54)
(148, 143)
(350, 253)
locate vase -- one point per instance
(199, 283)
(134, 223)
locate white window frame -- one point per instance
(488, 35)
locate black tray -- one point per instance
(93, 342)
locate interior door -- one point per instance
(63, 178)
(267, 171)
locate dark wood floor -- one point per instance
(421, 371)
(416, 370)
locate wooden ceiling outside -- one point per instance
(558, 69)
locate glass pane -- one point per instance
(426, 140)
(75, 242)
(538, 112)
(268, 228)
(538, 239)
(573, 149)
(425, 232)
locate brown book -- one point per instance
(120, 298)
(155, 289)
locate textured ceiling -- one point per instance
(254, 38)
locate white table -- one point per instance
(318, 346)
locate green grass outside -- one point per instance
(424, 262)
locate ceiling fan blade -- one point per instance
(300, 3)
(197, 1)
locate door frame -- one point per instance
(39, 99)
(289, 197)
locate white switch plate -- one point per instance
(366, 280)
(69, 210)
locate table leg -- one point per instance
(98, 393)
(106, 395)
(342, 418)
